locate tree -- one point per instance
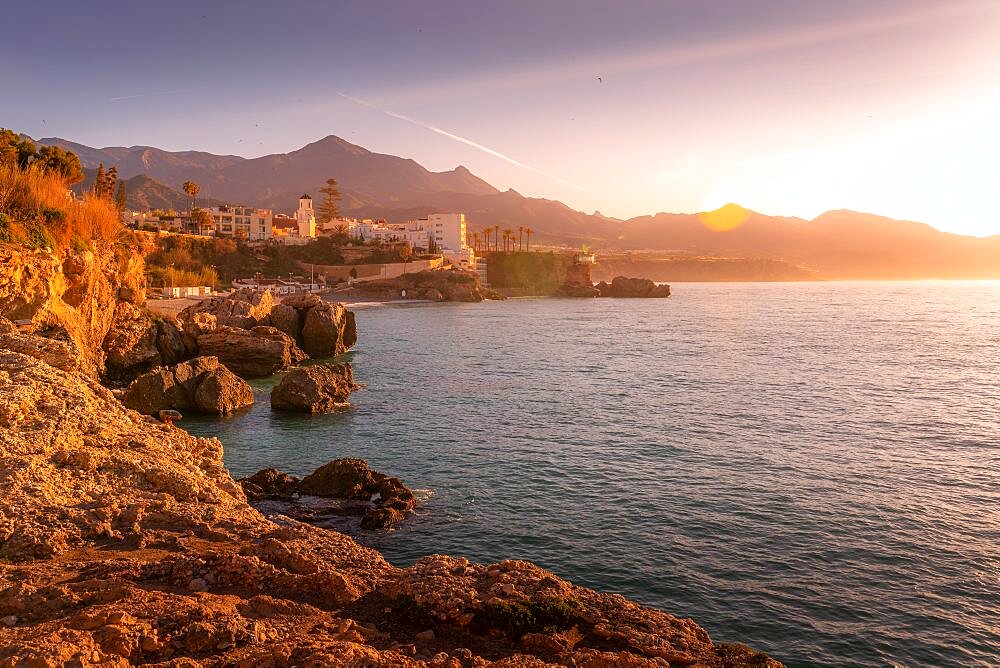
(496, 236)
(405, 253)
(16, 149)
(432, 246)
(66, 164)
(110, 180)
(520, 238)
(329, 207)
(508, 236)
(192, 189)
(203, 221)
(99, 181)
(527, 232)
(120, 198)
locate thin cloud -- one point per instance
(458, 138)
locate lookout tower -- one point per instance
(305, 217)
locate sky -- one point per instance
(788, 107)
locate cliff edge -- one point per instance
(126, 542)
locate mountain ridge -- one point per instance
(835, 244)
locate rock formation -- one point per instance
(252, 353)
(125, 541)
(346, 479)
(201, 384)
(243, 308)
(73, 296)
(621, 286)
(321, 329)
(448, 286)
(317, 388)
(579, 282)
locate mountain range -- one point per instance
(836, 245)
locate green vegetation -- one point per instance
(546, 616)
(329, 207)
(231, 258)
(537, 273)
(192, 189)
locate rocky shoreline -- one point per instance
(125, 541)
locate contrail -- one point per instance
(157, 92)
(463, 140)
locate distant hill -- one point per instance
(143, 192)
(837, 244)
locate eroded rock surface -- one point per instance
(252, 353)
(124, 541)
(202, 384)
(317, 388)
(348, 480)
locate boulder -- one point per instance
(171, 343)
(632, 287)
(253, 353)
(269, 484)
(287, 319)
(353, 479)
(317, 388)
(327, 330)
(243, 308)
(201, 384)
(130, 345)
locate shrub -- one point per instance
(545, 616)
(31, 194)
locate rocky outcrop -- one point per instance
(201, 384)
(317, 388)
(74, 294)
(244, 308)
(253, 353)
(125, 541)
(321, 329)
(130, 345)
(632, 287)
(345, 479)
(449, 286)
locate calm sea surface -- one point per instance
(812, 469)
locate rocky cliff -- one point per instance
(124, 541)
(73, 297)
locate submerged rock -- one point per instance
(349, 480)
(317, 388)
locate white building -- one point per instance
(306, 218)
(447, 230)
(243, 222)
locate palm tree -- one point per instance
(192, 189)
(528, 232)
(496, 236)
(509, 233)
(506, 236)
(520, 238)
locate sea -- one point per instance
(809, 468)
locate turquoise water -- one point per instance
(813, 469)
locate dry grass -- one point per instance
(40, 211)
